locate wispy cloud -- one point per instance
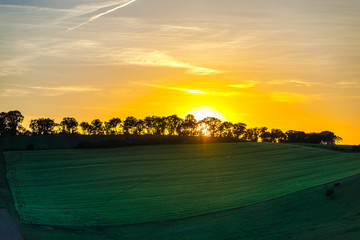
(12, 92)
(287, 97)
(34, 8)
(293, 81)
(68, 89)
(174, 28)
(308, 84)
(193, 91)
(15, 66)
(84, 9)
(156, 58)
(20, 90)
(225, 94)
(87, 108)
(248, 84)
(122, 4)
(349, 84)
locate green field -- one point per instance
(155, 183)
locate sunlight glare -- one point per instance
(206, 111)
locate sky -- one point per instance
(281, 64)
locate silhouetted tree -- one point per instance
(179, 122)
(338, 139)
(188, 126)
(42, 126)
(253, 134)
(296, 136)
(155, 125)
(213, 125)
(173, 124)
(239, 129)
(113, 126)
(69, 125)
(226, 129)
(149, 125)
(262, 131)
(159, 125)
(313, 138)
(266, 136)
(97, 127)
(328, 137)
(86, 127)
(130, 125)
(140, 127)
(277, 135)
(3, 124)
(10, 123)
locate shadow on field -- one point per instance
(43, 142)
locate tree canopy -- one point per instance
(10, 123)
(156, 125)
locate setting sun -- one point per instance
(206, 111)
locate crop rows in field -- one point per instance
(154, 183)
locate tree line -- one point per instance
(10, 125)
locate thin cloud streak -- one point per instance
(349, 84)
(15, 66)
(193, 91)
(12, 92)
(80, 10)
(101, 14)
(156, 58)
(249, 84)
(68, 89)
(32, 8)
(293, 81)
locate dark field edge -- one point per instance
(338, 148)
(48, 142)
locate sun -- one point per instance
(206, 111)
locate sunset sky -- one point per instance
(281, 63)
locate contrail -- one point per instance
(101, 14)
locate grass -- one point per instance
(105, 187)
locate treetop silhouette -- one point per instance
(156, 125)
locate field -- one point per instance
(142, 184)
